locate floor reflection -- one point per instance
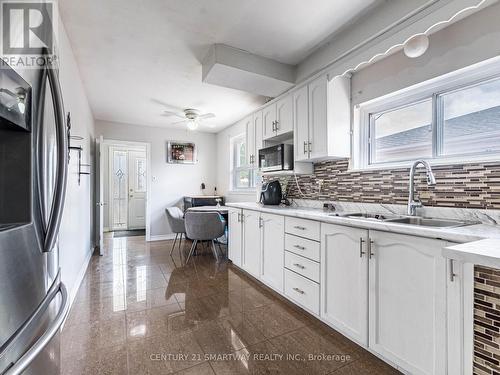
(137, 301)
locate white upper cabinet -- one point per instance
(301, 123)
(268, 121)
(250, 132)
(322, 120)
(284, 115)
(278, 117)
(344, 280)
(257, 124)
(407, 302)
(318, 118)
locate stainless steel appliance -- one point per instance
(276, 158)
(33, 169)
(270, 193)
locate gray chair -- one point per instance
(175, 219)
(204, 226)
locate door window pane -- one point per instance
(472, 120)
(402, 134)
(119, 189)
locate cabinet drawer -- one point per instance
(302, 246)
(303, 228)
(304, 266)
(302, 291)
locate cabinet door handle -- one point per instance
(299, 290)
(370, 247)
(310, 146)
(299, 247)
(361, 242)
(298, 265)
(277, 125)
(261, 222)
(452, 272)
(299, 227)
(274, 126)
(305, 147)
(239, 217)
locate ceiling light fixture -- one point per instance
(416, 46)
(192, 124)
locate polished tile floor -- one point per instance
(140, 311)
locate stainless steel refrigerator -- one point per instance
(33, 169)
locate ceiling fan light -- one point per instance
(192, 124)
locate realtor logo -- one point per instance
(27, 27)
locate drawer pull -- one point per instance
(299, 227)
(299, 290)
(299, 247)
(299, 266)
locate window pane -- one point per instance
(242, 179)
(242, 155)
(472, 120)
(402, 134)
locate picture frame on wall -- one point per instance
(181, 152)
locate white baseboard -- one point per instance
(81, 274)
(162, 237)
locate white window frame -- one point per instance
(462, 78)
(233, 170)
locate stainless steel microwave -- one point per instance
(276, 158)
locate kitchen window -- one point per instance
(242, 175)
(452, 119)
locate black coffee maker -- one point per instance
(270, 193)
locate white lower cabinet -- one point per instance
(251, 243)
(273, 242)
(302, 291)
(392, 293)
(235, 236)
(407, 302)
(344, 280)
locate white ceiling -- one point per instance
(133, 54)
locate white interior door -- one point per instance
(99, 193)
(137, 190)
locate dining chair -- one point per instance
(176, 221)
(204, 226)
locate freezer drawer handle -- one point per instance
(44, 339)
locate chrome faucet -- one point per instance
(413, 203)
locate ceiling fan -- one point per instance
(190, 116)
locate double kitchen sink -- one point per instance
(406, 220)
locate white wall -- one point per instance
(223, 164)
(464, 43)
(169, 182)
(76, 236)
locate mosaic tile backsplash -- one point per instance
(486, 321)
(464, 186)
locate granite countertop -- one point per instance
(469, 236)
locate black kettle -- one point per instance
(270, 193)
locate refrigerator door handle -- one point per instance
(62, 163)
(28, 357)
